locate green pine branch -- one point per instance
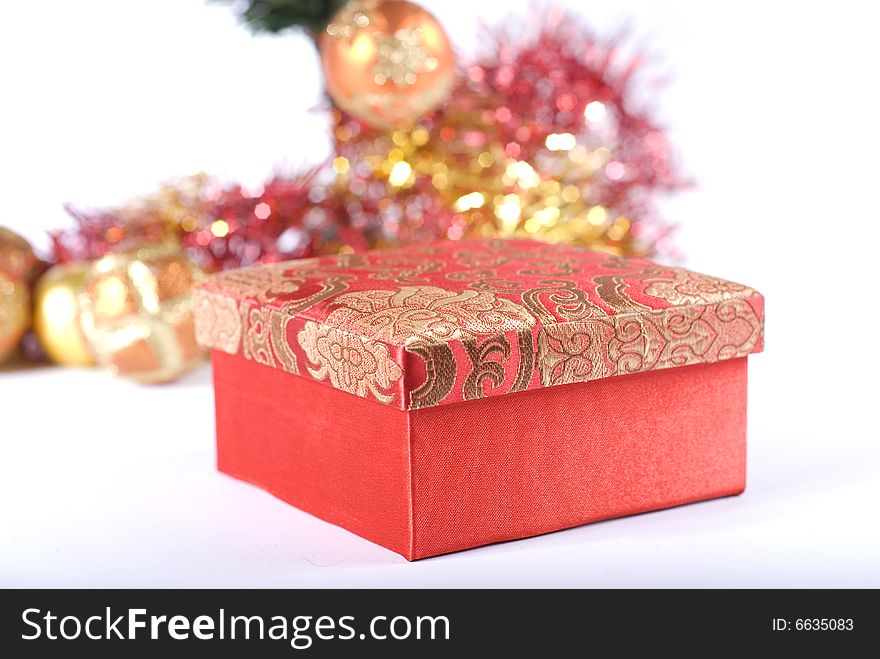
(277, 15)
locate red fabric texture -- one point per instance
(446, 478)
(342, 458)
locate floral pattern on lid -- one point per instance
(426, 325)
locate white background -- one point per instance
(774, 107)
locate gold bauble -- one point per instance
(15, 308)
(387, 62)
(136, 313)
(56, 314)
(17, 258)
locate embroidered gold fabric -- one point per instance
(436, 324)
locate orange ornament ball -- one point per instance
(18, 265)
(136, 313)
(386, 62)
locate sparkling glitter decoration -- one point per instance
(219, 226)
(401, 57)
(542, 137)
(352, 17)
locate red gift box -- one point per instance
(439, 397)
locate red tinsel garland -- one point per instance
(546, 116)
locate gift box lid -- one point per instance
(442, 323)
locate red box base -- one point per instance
(447, 478)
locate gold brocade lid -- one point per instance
(434, 324)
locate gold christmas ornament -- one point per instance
(14, 313)
(17, 265)
(56, 314)
(136, 313)
(386, 62)
(17, 258)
